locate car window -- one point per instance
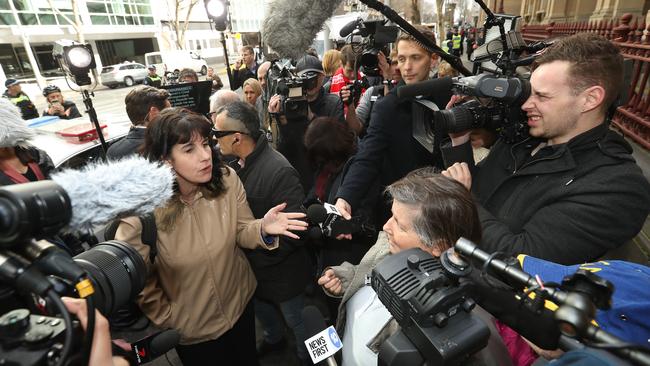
(138, 66)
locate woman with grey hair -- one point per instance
(430, 212)
(20, 162)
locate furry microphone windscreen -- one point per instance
(101, 193)
(290, 27)
(13, 128)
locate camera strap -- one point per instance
(422, 131)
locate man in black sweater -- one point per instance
(269, 180)
(572, 191)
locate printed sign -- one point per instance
(323, 345)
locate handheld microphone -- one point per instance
(331, 223)
(428, 87)
(290, 27)
(350, 27)
(323, 341)
(155, 345)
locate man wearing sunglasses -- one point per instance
(321, 104)
(269, 180)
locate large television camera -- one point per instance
(500, 88)
(432, 300)
(368, 38)
(282, 80)
(36, 328)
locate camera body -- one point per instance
(377, 38)
(356, 87)
(292, 88)
(499, 109)
(28, 339)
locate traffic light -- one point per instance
(218, 12)
(75, 59)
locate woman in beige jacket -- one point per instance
(200, 282)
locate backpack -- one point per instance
(149, 234)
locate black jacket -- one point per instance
(36, 155)
(128, 145)
(241, 75)
(389, 151)
(270, 180)
(74, 111)
(27, 107)
(567, 204)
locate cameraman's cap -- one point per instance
(628, 317)
(309, 64)
(11, 82)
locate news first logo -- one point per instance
(323, 345)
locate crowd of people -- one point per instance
(232, 243)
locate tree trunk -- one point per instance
(440, 20)
(415, 12)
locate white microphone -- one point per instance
(83, 199)
(290, 27)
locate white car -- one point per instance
(172, 61)
(128, 73)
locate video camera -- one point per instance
(432, 300)
(282, 80)
(376, 36)
(34, 274)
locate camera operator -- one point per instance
(101, 353)
(397, 140)
(292, 132)
(571, 191)
(59, 107)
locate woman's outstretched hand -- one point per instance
(276, 222)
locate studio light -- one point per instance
(218, 12)
(75, 59)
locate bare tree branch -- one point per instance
(415, 12)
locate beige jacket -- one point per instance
(201, 281)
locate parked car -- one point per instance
(128, 73)
(172, 61)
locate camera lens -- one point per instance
(457, 119)
(369, 59)
(118, 273)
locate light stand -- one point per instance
(217, 11)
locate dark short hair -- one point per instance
(188, 72)
(248, 48)
(141, 99)
(446, 210)
(177, 126)
(328, 140)
(245, 114)
(348, 56)
(403, 36)
(594, 61)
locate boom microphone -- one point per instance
(350, 27)
(428, 87)
(151, 347)
(290, 27)
(100, 193)
(82, 199)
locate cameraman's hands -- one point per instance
(331, 283)
(101, 353)
(457, 138)
(274, 104)
(384, 66)
(346, 94)
(459, 172)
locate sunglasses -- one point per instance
(219, 134)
